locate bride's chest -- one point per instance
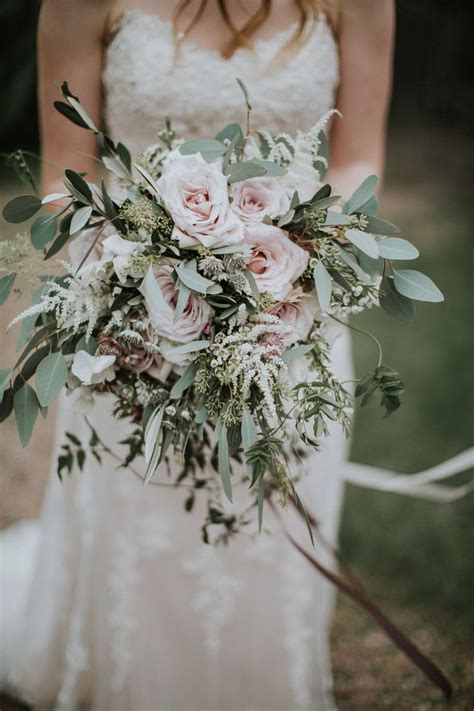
(145, 81)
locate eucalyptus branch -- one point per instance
(364, 333)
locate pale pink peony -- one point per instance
(257, 197)
(195, 193)
(276, 262)
(298, 311)
(161, 296)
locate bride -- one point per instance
(112, 600)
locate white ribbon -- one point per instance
(418, 485)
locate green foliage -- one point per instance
(6, 285)
(51, 376)
(26, 407)
(21, 208)
(384, 382)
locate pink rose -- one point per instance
(195, 193)
(257, 197)
(161, 297)
(276, 262)
(298, 311)
(80, 245)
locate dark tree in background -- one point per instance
(432, 64)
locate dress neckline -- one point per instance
(259, 45)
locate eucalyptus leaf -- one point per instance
(70, 113)
(76, 105)
(30, 366)
(245, 170)
(370, 266)
(271, 169)
(4, 378)
(61, 240)
(195, 281)
(51, 376)
(152, 432)
(223, 461)
(151, 288)
(183, 298)
(6, 285)
(185, 381)
(153, 444)
(149, 178)
(21, 208)
(296, 352)
(79, 185)
(229, 152)
(209, 148)
(395, 304)
(248, 428)
(363, 193)
(230, 249)
(336, 219)
(322, 160)
(116, 167)
(377, 226)
(192, 347)
(396, 248)
(323, 283)
(249, 433)
(371, 207)
(53, 197)
(244, 92)
(80, 219)
(43, 230)
(202, 415)
(230, 132)
(260, 501)
(40, 335)
(324, 203)
(286, 218)
(352, 262)
(25, 404)
(89, 345)
(416, 285)
(363, 241)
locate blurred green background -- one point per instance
(417, 556)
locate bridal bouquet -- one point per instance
(203, 292)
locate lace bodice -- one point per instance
(144, 82)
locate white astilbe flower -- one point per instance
(250, 357)
(78, 300)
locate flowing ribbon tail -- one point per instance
(419, 485)
(354, 591)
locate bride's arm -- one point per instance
(70, 36)
(366, 33)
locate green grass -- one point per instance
(421, 551)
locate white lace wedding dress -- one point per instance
(111, 600)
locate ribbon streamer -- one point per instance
(353, 589)
(420, 485)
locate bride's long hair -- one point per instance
(242, 36)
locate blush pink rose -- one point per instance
(195, 193)
(161, 297)
(298, 311)
(80, 245)
(275, 262)
(257, 197)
